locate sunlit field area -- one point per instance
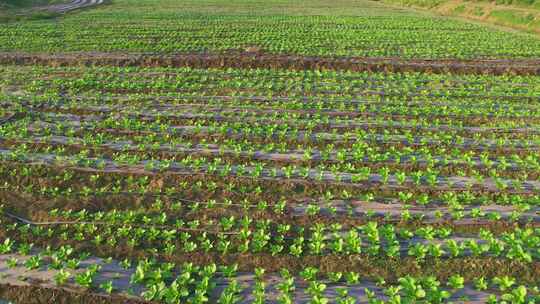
(277, 151)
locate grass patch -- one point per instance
(14, 17)
(21, 10)
(520, 3)
(512, 17)
(478, 11)
(518, 14)
(460, 9)
(27, 3)
(424, 3)
(418, 3)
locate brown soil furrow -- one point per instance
(348, 213)
(450, 183)
(255, 60)
(75, 145)
(35, 293)
(40, 287)
(404, 244)
(388, 268)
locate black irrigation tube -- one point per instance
(56, 223)
(404, 244)
(175, 195)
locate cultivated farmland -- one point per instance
(267, 152)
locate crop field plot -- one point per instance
(341, 28)
(267, 152)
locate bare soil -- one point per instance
(262, 60)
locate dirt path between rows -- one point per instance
(260, 60)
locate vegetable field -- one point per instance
(267, 152)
